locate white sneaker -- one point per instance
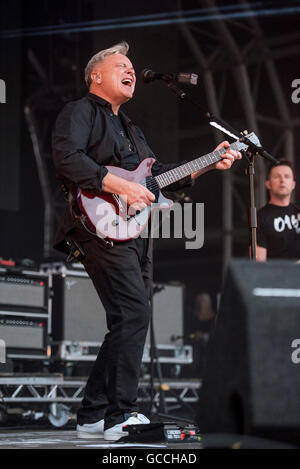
(116, 432)
(91, 430)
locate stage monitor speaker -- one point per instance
(251, 383)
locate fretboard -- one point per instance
(174, 175)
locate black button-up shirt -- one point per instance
(87, 137)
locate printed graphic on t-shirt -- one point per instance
(278, 230)
(290, 222)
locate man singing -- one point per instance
(278, 222)
(90, 134)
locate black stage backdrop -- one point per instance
(43, 71)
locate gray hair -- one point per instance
(120, 48)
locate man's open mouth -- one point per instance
(127, 81)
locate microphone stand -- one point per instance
(154, 356)
(252, 151)
(252, 209)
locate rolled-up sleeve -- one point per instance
(70, 139)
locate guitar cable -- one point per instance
(107, 242)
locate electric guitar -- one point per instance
(107, 215)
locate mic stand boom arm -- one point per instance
(253, 150)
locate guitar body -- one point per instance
(107, 215)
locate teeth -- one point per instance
(127, 81)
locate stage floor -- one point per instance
(67, 439)
(20, 438)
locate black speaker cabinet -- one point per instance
(78, 314)
(251, 384)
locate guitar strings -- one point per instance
(153, 184)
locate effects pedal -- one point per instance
(161, 432)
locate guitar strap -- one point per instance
(133, 135)
(136, 140)
(142, 153)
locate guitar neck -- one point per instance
(176, 174)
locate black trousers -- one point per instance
(122, 277)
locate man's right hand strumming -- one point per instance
(137, 196)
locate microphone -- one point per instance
(188, 78)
